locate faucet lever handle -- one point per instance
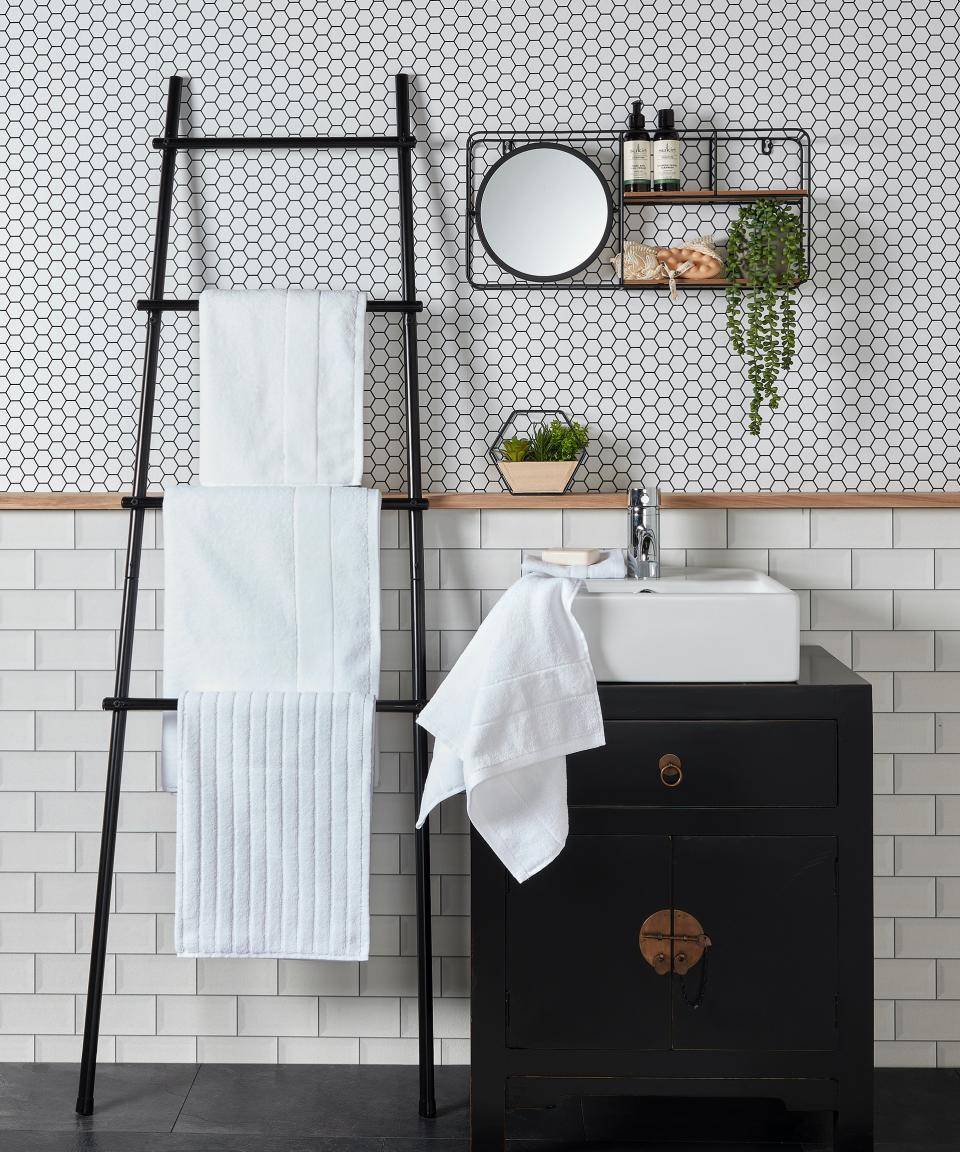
(643, 495)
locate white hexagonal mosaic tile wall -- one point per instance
(872, 402)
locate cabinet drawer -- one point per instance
(723, 764)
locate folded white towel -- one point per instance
(273, 825)
(269, 589)
(281, 387)
(521, 697)
(610, 566)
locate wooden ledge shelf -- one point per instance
(618, 500)
(67, 501)
(718, 196)
(707, 282)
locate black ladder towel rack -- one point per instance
(413, 503)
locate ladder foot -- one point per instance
(428, 1109)
(84, 1105)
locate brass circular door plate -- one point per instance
(676, 941)
(671, 770)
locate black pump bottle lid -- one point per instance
(636, 117)
(665, 118)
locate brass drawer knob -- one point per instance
(671, 770)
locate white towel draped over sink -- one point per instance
(281, 387)
(520, 699)
(273, 825)
(269, 589)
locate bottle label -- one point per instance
(666, 160)
(636, 162)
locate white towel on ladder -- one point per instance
(273, 824)
(269, 589)
(281, 386)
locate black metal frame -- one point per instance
(765, 138)
(508, 154)
(414, 503)
(493, 449)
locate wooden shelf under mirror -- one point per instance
(715, 196)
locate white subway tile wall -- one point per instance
(878, 589)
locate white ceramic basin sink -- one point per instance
(693, 624)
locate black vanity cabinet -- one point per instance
(741, 814)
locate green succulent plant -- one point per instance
(557, 440)
(569, 440)
(765, 262)
(541, 444)
(547, 442)
(515, 449)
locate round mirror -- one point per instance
(544, 212)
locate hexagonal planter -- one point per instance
(533, 477)
(538, 477)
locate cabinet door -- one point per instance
(769, 905)
(575, 976)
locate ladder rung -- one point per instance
(137, 704)
(208, 143)
(401, 503)
(194, 305)
(405, 503)
(141, 502)
(159, 704)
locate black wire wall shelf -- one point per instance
(720, 169)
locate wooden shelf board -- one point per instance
(594, 500)
(618, 500)
(66, 500)
(722, 195)
(708, 282)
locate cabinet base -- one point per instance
(656, 1109)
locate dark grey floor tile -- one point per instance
(367, 1101)
(198, 1142)
(414, 1144)
(918, 1107)
(140, 1097)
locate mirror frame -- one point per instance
(606, 230)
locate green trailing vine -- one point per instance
(764, 264)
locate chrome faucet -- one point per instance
(643, 547)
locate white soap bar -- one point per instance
(571, 556)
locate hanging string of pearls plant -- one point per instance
(765, 263)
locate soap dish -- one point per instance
(571, 556)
